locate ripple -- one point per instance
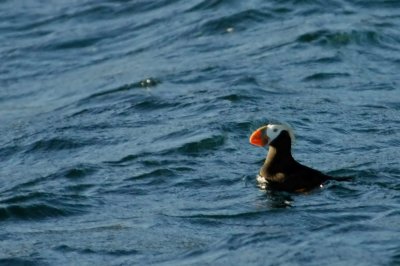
(235, 97)
(55, 144)
(34, 212)
(242, 19)
(152, 103)
(78, 171)
(349, 172)
(246, 215)
(190, 76)
(47, 196)
(192, 183)
(8, 151)
(74, 43)
(37, 205)
(247, 80)
(142, 6)
(206, 4)
(395, 259)
(344, 38)
(325, 76)
(371, 4)
(26, 197)
(376, 87)
(203, 145)
(244, 126)
(20, 262)
(114, 252)
(122, 88)
(125, 160)
(162, 173)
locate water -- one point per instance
(124, 131)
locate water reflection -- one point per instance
(275, 199)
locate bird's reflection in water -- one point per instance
(271, 199)
(276, 199)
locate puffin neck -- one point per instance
(278, 159)
(278, 155)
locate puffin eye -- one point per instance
(275, 130)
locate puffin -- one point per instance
(280, 170)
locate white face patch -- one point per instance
(273, 132)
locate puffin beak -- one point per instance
(258, 138)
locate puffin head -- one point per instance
(271, 134)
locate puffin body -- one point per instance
(280, 170)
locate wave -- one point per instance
(325, 76)
(240, 20)
(148, 82)
(203, 145)
(207, 4)
(112, 252)
(56, 143)
(338, 38)
(20, 261)
(34, 211)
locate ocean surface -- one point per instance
(124, 131)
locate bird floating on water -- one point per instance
(280, 170)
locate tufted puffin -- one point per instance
(280, 170)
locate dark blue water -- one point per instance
(124, 131)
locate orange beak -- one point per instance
(258, 138)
